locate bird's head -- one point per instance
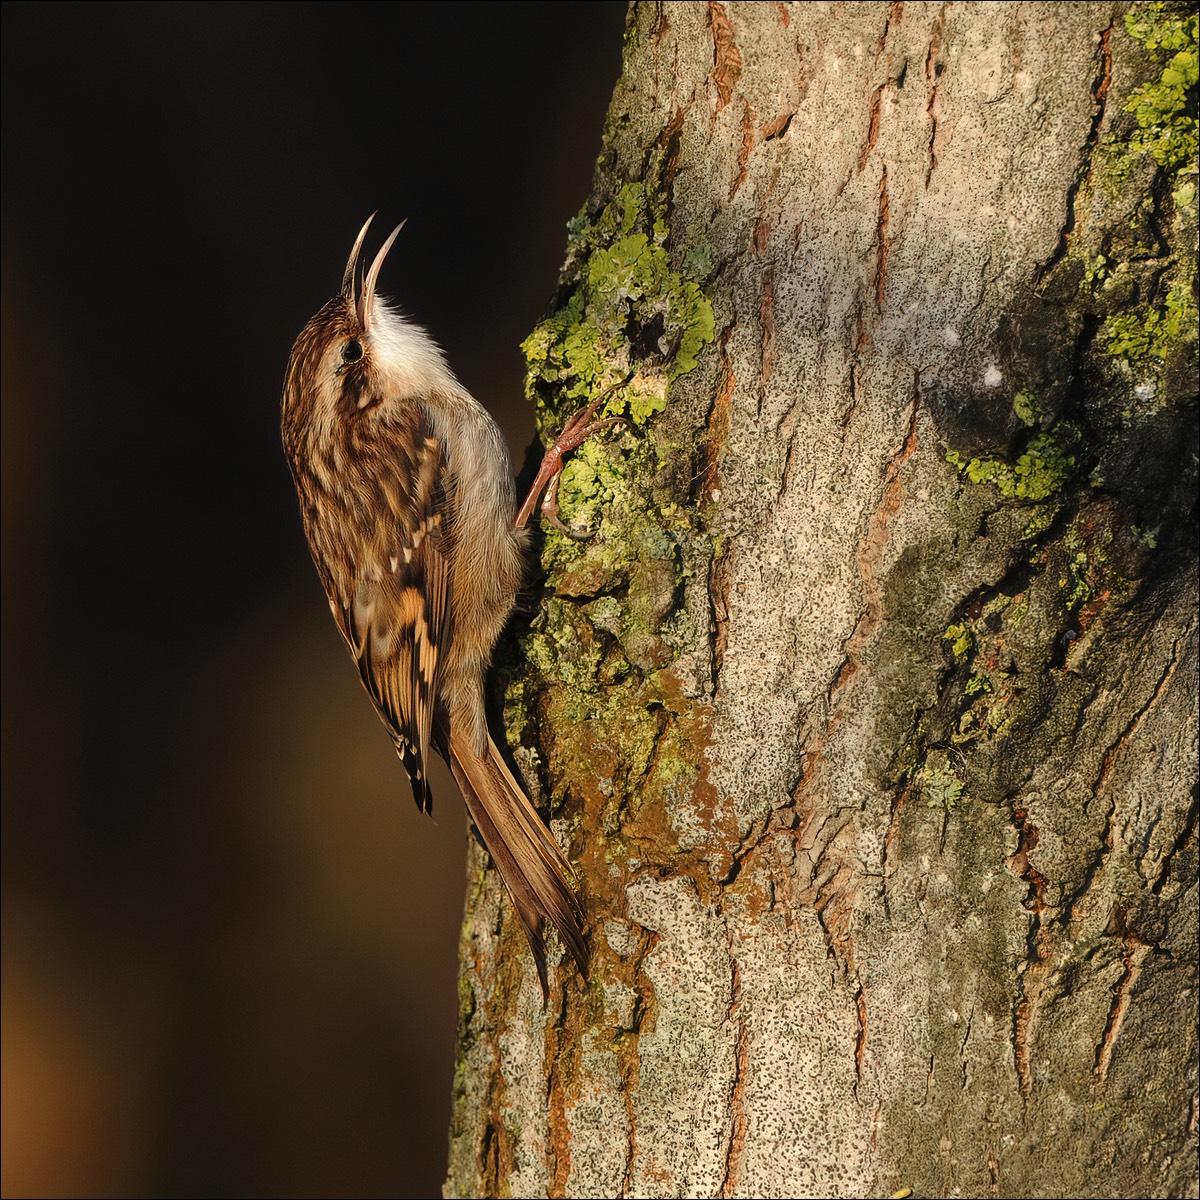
(357, 357)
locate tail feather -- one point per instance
(529, 861)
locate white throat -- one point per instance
(407, 355)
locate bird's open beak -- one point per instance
(352, 263)
(366, 300)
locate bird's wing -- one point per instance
(398, 620)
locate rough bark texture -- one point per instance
(868, 713)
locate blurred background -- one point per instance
(229, 939)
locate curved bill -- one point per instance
(366, 300)
(352, 262)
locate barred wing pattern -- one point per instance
(398, 619)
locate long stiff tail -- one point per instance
(528, 858)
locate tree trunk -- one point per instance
(868, 711)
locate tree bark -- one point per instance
(868, 711)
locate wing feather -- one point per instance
(398, 620)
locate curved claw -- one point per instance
(550, 515)
(575, 432)
(596, 426)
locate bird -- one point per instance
(407, 501)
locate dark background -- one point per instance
(229, 938)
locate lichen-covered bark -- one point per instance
(868, 712)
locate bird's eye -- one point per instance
(352, 351)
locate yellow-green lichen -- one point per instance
(1037, 474)
(960, 639)
(940, 786)
(1096, 270)
(1165, 107)
(1042, 519)
(589, 484)
(1084, 555)
(1167, 129)
(1026, 408)
(1085, 573)
(1074, 582)
(563, 649)
(628, 310)
(990, 695)
(628, 324)
(1150, 335)
(977, 684)
(1018, 610)
(974, 711)
(614, 730)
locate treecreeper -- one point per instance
(407, 500)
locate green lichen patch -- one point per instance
(1098, 561)
(1143, 538)
(614, 731)
(1042, 468)
(1026, 408)
(1016, 653)
(626, 312)
(977, 684)
(1128, 275)
(1148, 337)
(597, 663)
(590, 484)
(1081, 563)
(1151, 322)
(1036, 474)
(1074, 582)
(988, 696)
(940, 786)
(960, 639)
(1165, 108)
(617, 737)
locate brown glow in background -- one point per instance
(229, 939)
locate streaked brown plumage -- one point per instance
(406, 495)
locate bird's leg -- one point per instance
(550, 512)
(577, 430)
